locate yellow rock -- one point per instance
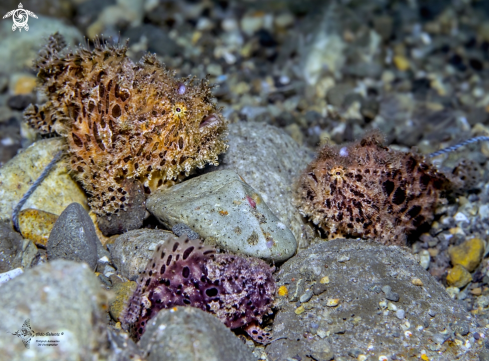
(299, 310)
(36, 225)
(458, 276)
(467, 254)
(476, 291)
(24, 84)
(332, 302)
(283, 291)
(401, 62)
(324, 280)
(123, 291)
(417, 282)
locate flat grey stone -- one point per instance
(190, 334)
(225, 211)
(57, 297)
(74, 238)
(362, 318)
(131, 251)
(270, 161)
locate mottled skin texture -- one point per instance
(124, 120)
(183, 272)
(370, 191)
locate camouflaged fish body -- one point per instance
(124, 121)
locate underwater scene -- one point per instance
(238, 180)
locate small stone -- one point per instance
(283, 291)
(458, 276)
(424, 259)
(417, 282)
(467, 254)
(252, 22)
(332, 302)
(73, 237)
(322, 333)
(391, 296)
(476, 291)
(343, 258)
(324, 280)
(299, 310)
(400, 314)
(453, 291)
(401, 62)
(306, 296)
(36, 225)
(460, 217)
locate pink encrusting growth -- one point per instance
(238, 290)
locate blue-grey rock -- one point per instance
(227, 212)
(73, 237)
(190, 334)
(60, 297)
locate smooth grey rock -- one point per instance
(10, 247)
(131, 251)
(225, 211)
(73, 237)
(190, 334)
(270, 161)
(57, 297)
(359, 319)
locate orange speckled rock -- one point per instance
(124, 120)
(36, 225)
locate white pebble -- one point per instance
(400, 314)
(344, 152)
(7, 141)
(460, 217)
